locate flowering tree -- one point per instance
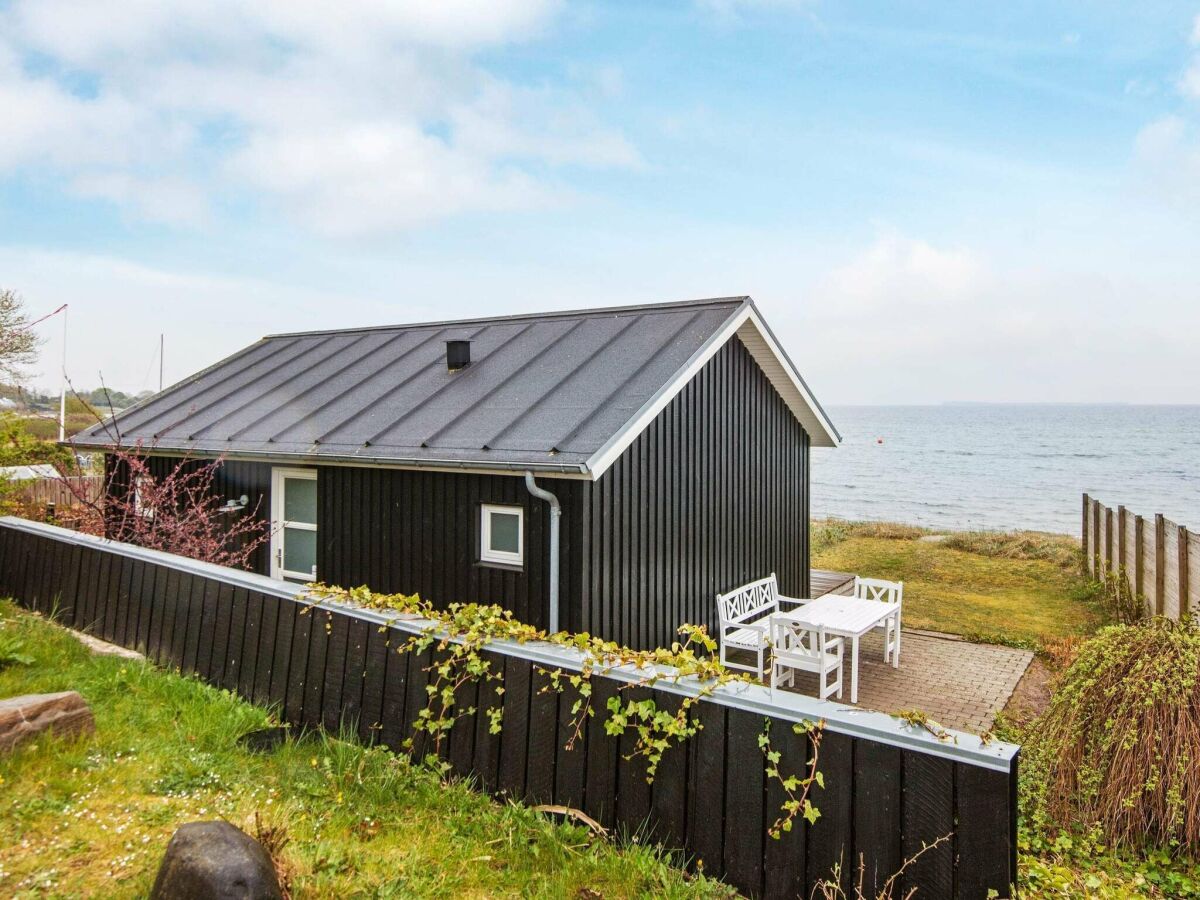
(178, 511)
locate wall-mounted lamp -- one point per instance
(232, 506)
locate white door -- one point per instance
(294, 524)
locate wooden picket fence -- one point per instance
(42, 492)
(1158, 560)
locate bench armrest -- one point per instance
(792, 601)
(755, 625)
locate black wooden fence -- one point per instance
(889, 789)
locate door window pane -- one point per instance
(300, 500)
(506, 532)
(299, 550)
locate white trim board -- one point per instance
(279, 478)
(490, 556)
(757, 338)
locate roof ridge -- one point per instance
(635, 308)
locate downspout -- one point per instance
(555, 515)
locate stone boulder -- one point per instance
(30, 715)
(215, 861)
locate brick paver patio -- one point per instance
(956, 683)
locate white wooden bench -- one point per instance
(745, 617)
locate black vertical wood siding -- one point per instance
(417, 532)
(712, 798)
(713, 494)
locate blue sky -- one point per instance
(929, 201)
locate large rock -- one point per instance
(215, 861)
(29, 715)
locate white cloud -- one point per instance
(170, 201)
(1167, 154)
(904, 320)
(373, 117)
(1189, 82)
(896, 265)
(1141, 87)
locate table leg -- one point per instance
(896, 645)
(854, 670)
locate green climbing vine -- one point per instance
(459, 634)
(796, 788)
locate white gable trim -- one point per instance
(757, 338)
(771, 358)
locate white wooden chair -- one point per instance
(892, 593)
(797, 648)
(745, 619)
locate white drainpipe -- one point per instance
(555, 516)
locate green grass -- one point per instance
(91, 817)
(1022, 588)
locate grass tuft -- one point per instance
(1060, 549)
(826, 533)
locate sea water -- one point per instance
(1008, 466)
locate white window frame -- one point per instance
(139, 503)
(278, 481)
(500, 557)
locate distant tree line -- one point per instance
(98, 398)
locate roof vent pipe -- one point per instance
(458, 355)
(555, 516)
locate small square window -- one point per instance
(502, 535)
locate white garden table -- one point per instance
(847, 617)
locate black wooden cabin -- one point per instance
(674, 438)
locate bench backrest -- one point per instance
(798, 644)
(749, 602)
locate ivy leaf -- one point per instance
(811, 813)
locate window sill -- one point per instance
(504, 567)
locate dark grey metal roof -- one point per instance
(542, 391)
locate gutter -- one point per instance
(570, 470)
(555, 518)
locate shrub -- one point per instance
(828, 533)
(1056, 548)
(1119, 746)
